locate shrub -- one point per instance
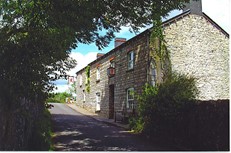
(58, 97)
(208, 127)
(170, 114)
(160, 107)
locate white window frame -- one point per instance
(131, 60)
(130, 99)
(80, 80)
(98, 101)
(98, 74)
(85, 80)
(152, 73)
(84, 96)
(112, 64)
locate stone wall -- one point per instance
(17, 124)
(81, 90)
(135, 78)
(96, 86)
(122, 80)
(199, 49)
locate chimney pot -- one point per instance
(195, 7)
(99, 55)
(119, 41)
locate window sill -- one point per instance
(111, 76)
(129, 70)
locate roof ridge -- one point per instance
(215, 24)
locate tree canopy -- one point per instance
(36, 36)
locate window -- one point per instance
(98, 99)
(130, 98)
(98, 74)
(86, 80)
(112, 64)
(152, 74)
(130, 60)
(80, 80)
(84, 96)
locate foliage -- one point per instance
(192, 125)
(170, 114)
(58, 97)
(160, 107)
(159, 51)
(41, 138)
(37, 36)
(208, 126)
(31, 57)
(88, 78)
(72, 88)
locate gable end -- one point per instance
(215, 25)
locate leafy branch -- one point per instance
(159, 52)
(88, 78)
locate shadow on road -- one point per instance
(74, 131)
(81, 133)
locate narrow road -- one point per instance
(76, 132)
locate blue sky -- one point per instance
(124, 33)
(219, 11)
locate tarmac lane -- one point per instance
(74, 131)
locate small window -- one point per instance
(98, 101)
(112, 64)
(86, 80)
(80, 80)
(130, 98)
(84, 96)
(98, 74)
(153, 73)
(130, 60)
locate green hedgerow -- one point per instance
(160, 107)
(41, 138)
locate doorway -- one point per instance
(111, 101)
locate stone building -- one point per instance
(198, 47)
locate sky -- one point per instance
(217, 10)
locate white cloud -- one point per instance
(125, 33)
(82, 61)
(61, 88)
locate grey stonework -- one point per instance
(197, 48)
(122, 80)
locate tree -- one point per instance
(36, 37)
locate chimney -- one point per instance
(119, 41)
(99, 55)
(195, 7)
